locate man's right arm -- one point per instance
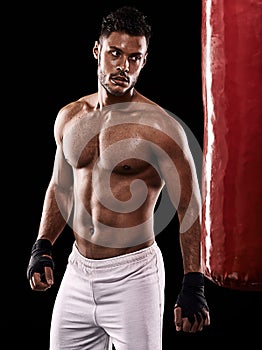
(57, 207)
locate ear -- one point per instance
(96, 50)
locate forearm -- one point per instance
(189, 214)
(56, 211)
(190, 242)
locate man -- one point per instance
(116, 150)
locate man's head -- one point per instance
(122, 49)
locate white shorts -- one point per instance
(118, 301)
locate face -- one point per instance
(120, 60)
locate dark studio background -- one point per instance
(53, 66)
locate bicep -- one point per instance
(62, 171)
(178, 170)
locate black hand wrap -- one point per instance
(191, 298)
(38, 262)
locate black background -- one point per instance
(50, 54)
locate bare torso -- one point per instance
(116, 180)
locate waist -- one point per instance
(125, 258)
(92, 250)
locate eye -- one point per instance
(135, 58)
(115, 53)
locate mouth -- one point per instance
(119, 80)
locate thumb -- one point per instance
(49, 275)
(178, 318)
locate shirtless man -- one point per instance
(116, 150)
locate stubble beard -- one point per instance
(102, 81)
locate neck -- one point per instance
(104, 98)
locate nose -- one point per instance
(123, 66)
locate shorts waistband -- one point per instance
(114, 261)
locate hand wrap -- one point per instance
(38, 262)
(191, 298)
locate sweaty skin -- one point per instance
(111, 164)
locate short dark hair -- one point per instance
(128, 20)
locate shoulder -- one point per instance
(164, 126)
(69, 113)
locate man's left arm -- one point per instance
(178, 170)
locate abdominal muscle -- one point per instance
(103, 233)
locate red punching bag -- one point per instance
(232, 144)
